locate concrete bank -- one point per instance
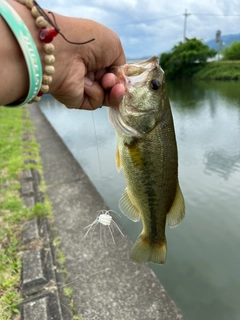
(106, 284)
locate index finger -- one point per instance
(121, 60)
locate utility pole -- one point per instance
(186, 14)
(219, 40)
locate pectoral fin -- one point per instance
(127, 208)
(177, 211)
(119, 124)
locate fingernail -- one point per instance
(87, 82)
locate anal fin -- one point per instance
(177, 211)
(127, 208)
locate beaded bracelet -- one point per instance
(46, 35)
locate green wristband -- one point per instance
(29, 50)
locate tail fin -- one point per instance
(144, 250)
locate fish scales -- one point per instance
(147, 153)
(151, 185)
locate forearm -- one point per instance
(14, 78)
(13, 70)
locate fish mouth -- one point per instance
(136, 73)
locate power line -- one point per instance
(217, 15)
(149, 20)
(186, 14)
(174, 16)
(143, 44)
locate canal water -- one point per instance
(202, 272)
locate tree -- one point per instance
(232, 52)
(185, 59)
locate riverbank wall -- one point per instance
(105, 284)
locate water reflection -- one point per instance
(202, 270)
(190, 92)
(220, 162)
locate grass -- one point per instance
(219, 70)
(14, 122)
(13, 213)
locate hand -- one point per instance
(104, 90)
(83, 81)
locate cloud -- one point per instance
(148, 27)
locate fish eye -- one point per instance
(155, 84)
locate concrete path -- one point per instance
(108, 285)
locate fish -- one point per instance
(147, 154)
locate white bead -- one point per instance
(36, 99)
(29, 4)
(49, 70)
(35, 12)
(44, 88)
(46, 79)
(49, 59)
(41, 22)
(49, 48)
(22, 1)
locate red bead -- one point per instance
(40, 93)
(46, 35)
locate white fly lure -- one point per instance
(105, 220)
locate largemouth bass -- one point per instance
(147, 153)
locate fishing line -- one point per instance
(97, 146)
(54, 287)
(104, 218)
(81, 278)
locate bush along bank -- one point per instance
(189, 60)
(219, 70)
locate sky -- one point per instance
(148, 27)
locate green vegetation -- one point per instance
(232, 52)
(14, 122)
(185, 59)
(188, 60)
(13, 213)
(219, 70)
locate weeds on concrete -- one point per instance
(14, 122)
(13, 212)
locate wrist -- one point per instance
(63, 50)
(28, 33)
(36, 46)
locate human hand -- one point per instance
(82, 81)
